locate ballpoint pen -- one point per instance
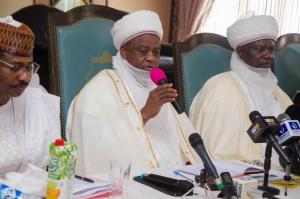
(84, 179)
(183, 176)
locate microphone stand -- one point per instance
(287, 177)
(267, 166)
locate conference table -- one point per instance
(140, 191)
(136, 190)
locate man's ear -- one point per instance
(123, 51)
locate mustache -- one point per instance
(21, 84)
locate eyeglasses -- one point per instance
(33, 68)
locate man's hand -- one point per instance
(157, 97)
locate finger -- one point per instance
(165, 90)
(166, 95)
(166, 100)
(168, 85)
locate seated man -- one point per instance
(121, 114)
(220, 111)
(29, 117)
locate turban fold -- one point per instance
(136, 24)
(15, 38)
(252, 29)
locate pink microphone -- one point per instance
(158, 76)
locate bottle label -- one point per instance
(61, 170)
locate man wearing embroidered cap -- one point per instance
(29, 117)
(220, 111)
(120, 114)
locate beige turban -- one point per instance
(252, 29)
(135, 24)
(15, 38)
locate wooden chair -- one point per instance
(197, 59)
(287, 63)
(80, 46)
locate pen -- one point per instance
(182, 171)
(183, 176)
(84, 179)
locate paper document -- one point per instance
(83, 189)
(235, 168)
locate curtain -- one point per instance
(191, 15)
(286, 12)
(224, 13)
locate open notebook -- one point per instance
(235, 168)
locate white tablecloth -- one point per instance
(137, 190)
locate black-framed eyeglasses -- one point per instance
(33, 68)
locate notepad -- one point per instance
(235, 168)
(84, 189)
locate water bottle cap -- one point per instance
(59, 142)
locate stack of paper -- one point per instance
(86, 190)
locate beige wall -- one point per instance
(8, 7)
(161, 7)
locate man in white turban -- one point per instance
(220, 111)
(121, 114)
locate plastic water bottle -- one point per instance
(61, 170)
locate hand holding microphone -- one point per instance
(159, 78)
(162, 94)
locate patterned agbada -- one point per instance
(15, 38)
(29, 122)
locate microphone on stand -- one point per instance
(289, 133)
(197, 143)
(289, 136)
(158, 76)
(264, 129)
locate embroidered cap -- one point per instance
(15, 38)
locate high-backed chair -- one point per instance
(80, 46)
(197, 59)
(287, 63)
(36, 17)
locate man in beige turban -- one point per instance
(120, 114)
(220, 111)
(29, 117)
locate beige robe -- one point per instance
(220, 113)
(105, 123)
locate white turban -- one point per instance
(252, 29)
(136, 24)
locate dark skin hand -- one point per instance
(157, 97)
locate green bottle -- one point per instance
(61, 170)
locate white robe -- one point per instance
(29, 123)
(220, 112)
(106, 124)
